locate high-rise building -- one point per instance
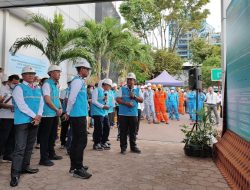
(183, 43)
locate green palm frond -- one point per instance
(26, 42)
(75, 53)
(69, 35)
(39, 19)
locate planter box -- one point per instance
(198, 151)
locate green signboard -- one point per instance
(216, 74)
(238, 68)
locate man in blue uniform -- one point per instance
(99, 111)
(64, 123)
(28, 108)
(191, 96)
(128, 98)
(173, 102)
(49, 123)
(201, 100)
(77, 112)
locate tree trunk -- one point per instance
(108, 67)
(98, 66)
(161, 32)
(157, 43)
(176, 38)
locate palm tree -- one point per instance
(60, 42)
(96, 42)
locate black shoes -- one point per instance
(55, 157)
(81, 173)
(7, 158)
(106, 146)
(30, 171)
(136, 150)
(71, 170)
(98, 147)
(14, 181)
(123, 152)
(46, 163)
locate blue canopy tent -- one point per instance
(166, 80)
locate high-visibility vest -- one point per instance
(125, 110)
(32, 97)
(54, 96)
(80, 107)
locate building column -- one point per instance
(5, 49)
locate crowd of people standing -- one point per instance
(31, 110)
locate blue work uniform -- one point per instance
(173, 102)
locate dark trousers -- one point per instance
(48, 133)
(117, 113)
(139, 120)
(78, 127)
(111, 118)
(7, 137)
(101, 129)
(128, 125)
(64, 131)
(25, 138)
(38, 134)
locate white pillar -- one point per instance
(5, 50)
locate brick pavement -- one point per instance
(161, 166)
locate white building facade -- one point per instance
(12, 26)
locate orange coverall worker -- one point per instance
(181, 103)
(160, 107)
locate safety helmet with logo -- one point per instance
(107, 81)
(159, 86)
(69, 79)
(28, 69)
(5, 78)
(54, 68)
(83, 63)
(131, 76)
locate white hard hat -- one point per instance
(5, 78)
(28, 69)
(107, 81)
(131, 76)
(83, 63)
(114, 85)
(100, 83)
(54, 68)
(69, 79)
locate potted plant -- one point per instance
(198, 141)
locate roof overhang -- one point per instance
(30, 3)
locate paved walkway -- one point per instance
(161, 166)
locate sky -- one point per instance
(214, 18)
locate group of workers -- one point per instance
(33, 110)
(159, 101)
(30, 110)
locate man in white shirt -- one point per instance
(128, 97)
(211, 101)
(7, 134)
(77, 112)
(49, 122)
(28, 109)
